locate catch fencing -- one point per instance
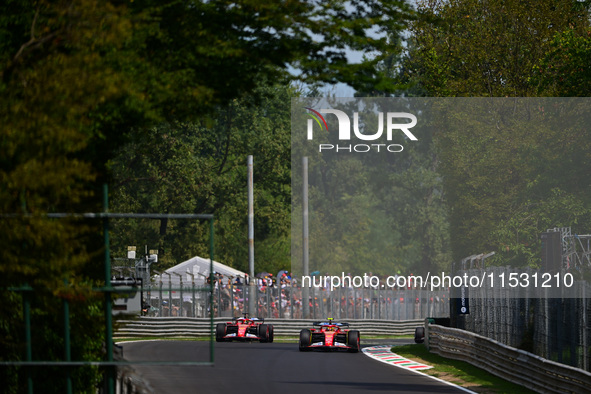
(553, 328)
(517, 366)
(285, 302)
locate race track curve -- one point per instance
(244, 367)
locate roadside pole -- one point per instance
(305, 236)
(252, 289)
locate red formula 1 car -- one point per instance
(244, 329)
(330, 335)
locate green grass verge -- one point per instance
(458, 372)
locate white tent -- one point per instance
(199, 267)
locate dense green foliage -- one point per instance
(54, 76)
(513, 168)
(510, 171)
(379, 212)
(201, 168)
(493, 48)
(165, 99)
(564, 70)
(83, 82)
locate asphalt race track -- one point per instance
(244, 367)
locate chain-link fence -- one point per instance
(556, 328)
(284, 300)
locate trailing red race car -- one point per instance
(330, 335)
(244, 329)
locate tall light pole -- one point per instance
(305, 238)
(252, 285)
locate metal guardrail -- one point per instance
(514, 365)
(197, 327)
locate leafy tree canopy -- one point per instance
(201, 167)
(476, 48)
(509, 173)
(77, 76)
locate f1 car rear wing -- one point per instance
(253, 319)
(329, 323)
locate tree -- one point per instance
(201, 168)
(379, 212)
(512, 169)
(52, 75)
(564, 70)
(500, 160)
(476, 48)
(76, 77)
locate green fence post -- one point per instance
(67, 346)
(211, 308)
(108, 307)
(29, 351)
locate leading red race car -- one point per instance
(244, 329)
(330, 335)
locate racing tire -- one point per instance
(271, 333)
(353, 341)
(305, 340)
(220, 332)
(419, 334)
(264, 333)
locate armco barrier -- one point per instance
(196, 327)
(514, 365)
